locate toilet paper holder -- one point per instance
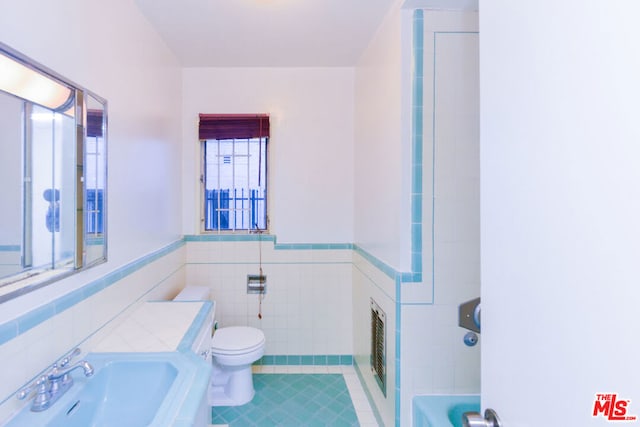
(256, 283)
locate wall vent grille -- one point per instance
(378, 346)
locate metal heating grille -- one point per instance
(378, 353)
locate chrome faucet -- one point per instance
(59, 379)
(52, 385)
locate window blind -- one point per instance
(230, 126)
(94, 123)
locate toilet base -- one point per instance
(236, 389)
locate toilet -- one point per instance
(233, 350)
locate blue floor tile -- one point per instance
(312, 400)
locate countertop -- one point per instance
(157, 326)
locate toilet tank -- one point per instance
(193, 293)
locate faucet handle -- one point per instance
(40, 386)
(25, 392)
(67, 359)
(42, 400)
(58, 366)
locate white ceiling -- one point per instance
(269, 33)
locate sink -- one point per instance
(107, 399)
(127, 390)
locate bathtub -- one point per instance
(443, 410)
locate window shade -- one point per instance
(94, 123)
(229, 126)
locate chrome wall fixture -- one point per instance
(24, 82)
(469, 318)
(475, 419)
(469, 315)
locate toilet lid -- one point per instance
(236, 339)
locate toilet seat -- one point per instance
(234, 340)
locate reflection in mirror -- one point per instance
(52, 176)
(10, 179)
(95, 180)
(48, 189)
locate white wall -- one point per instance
(100, 50)
(310, 150)
(382, 147)
(98, 46)
(112, 50)
(382, 171)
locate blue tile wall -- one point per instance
(417, 141)
(307, 359)
(192, 333)
(266, 238)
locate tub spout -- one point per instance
(474, 419)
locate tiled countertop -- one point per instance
(155, 326)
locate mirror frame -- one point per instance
(81, 263)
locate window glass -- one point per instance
(235, 187)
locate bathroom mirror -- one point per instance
(53, 169)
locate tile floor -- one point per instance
(330, 404)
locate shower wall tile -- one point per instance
(434, 356)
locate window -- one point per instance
(234, 173)
(95, 175)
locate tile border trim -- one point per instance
(13, 328)
(266, 238)
(191, 335)
(306, 360)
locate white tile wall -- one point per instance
(370, 282)
(434, 358)
(307, 308)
